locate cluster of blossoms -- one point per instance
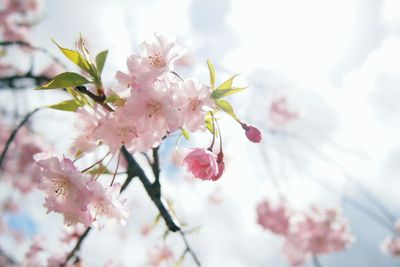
(76, 196)
(19, 167)
(150, 103)
(311, 233)
(17, 18)
(391, 245)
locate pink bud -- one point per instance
(202, 163)
(252, 133)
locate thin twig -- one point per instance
(13, 135)
(77, 246)
(189, 249)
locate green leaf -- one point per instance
(228, 83)
(69, 105)
(100, 169)
(100, 60)
(185, 134)
(219, 93)
(212, 73)
(75, 57)
(227, 107)
(66, 79)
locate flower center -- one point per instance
(154, 109)
(61, 187)
(124, 134)
(157, 61)
(194, 104)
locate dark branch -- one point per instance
(153, 190)
(98, 99)
(13, 135)
(156, 166)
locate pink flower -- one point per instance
(66, 189)
(252, 133)
(154, 63)
(279, 113)
(273, 218)
(391, 246)
(317, 232)
(87, 123)
(117, 129)
(194, 99)
(159, 254)
(202, 163)
(105, 206)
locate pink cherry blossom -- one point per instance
(156, 62)
(273, 218)
(116, 129)
(66, 189)
(193, 101)
(87, 123)
(105, 205)
(391, 246)
(314, 233)
(202, 163)
(279, 113)
(159, 254)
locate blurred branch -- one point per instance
(316, 261)
(26, 44)
(10, 81)
(321, 182)
(10, 260)
(13, 135)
